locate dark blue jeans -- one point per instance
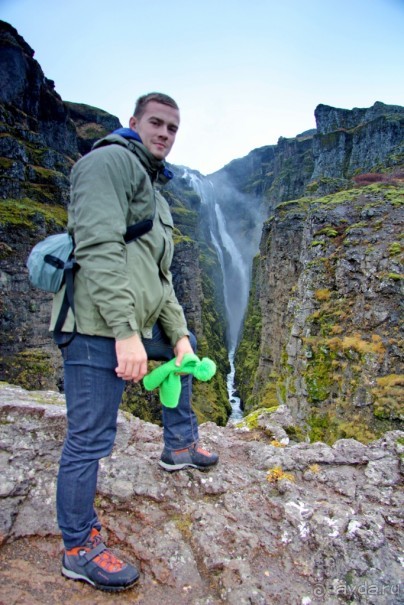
(93, 395)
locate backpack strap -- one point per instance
(68, 302)
(133, 232)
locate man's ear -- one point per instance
(133, 123)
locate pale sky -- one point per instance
(244, 72)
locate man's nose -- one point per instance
(164, 132)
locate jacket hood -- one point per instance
(131, 140)
(127, 133)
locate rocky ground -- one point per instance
(293, 524)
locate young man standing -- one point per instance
(126, 311)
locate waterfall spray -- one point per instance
(235, 270)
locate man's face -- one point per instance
(157, 128)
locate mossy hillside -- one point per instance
(32, 369)
(347, 393)
(341, 363)
(185, 220)
(343, 399)
(248, 351)
(31, 167)
(28, 214)
(376, 194)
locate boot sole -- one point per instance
(72, 575)
(178, 467)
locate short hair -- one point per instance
(158, 97)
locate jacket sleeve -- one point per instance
(101, 185)
(173, 320)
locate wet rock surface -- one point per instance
(298, 524)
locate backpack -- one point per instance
(51, 264)
(48, 260)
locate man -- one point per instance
(125, 312)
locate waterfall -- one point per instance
(235, 270)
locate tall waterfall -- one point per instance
(235, 268)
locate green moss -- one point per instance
(312, 187)
(389, 397)
(395, 249)
(32, 369)
(269, 394)
(141, 403)
(328, 231)
(318, 376)
(355, 226)
(27, 214)
(184, 219)
(251, 420)
(316, 243)
(183, 523)
(328, 428)
(179, 238)
(5, 251)
(296, 433)
(6, 164)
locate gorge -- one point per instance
(288, 263)
(235, 253)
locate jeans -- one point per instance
(93, 395)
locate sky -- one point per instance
(244, 72)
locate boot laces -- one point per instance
(106, 560)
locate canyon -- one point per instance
(288, 263)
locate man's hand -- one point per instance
(183, 346)
(132, 358)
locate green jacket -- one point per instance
(120, 289)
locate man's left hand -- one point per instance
(182, 347)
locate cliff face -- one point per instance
(321, 331)
(40, 139)
(91, 124)
(357, 140)
(325, 307)
(321, 161)
(37, 149)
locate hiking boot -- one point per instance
(193, 456)
(94, 563)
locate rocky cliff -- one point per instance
(285, 517)
(306, 252)
(40, 138)
(321, 332)
(325, 308)
(274, 523)
(324, 160)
